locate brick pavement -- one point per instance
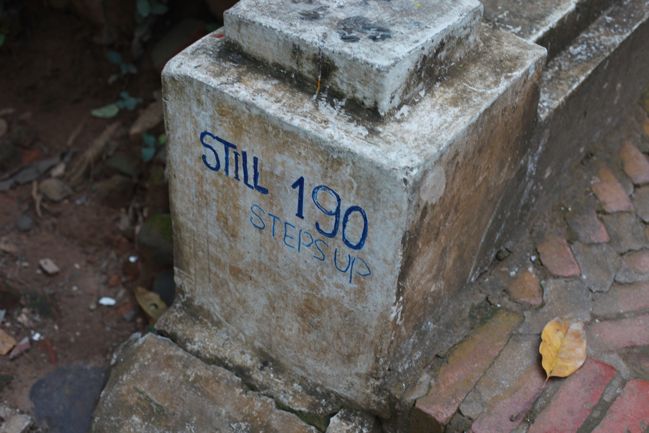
(590, 264)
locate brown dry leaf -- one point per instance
(149, 118)
(7, 343)
(150, 302)
(563, 347)
(91, 155)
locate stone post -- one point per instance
(334, 167)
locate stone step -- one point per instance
(584, 89)
(552, 24)
(158, 388)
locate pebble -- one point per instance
(107, 301)
(49, 267)
(24, 223)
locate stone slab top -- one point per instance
(377, 52)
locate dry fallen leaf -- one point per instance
(563, 347)
(7, 343)
(150, 302)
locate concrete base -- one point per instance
(155, 387)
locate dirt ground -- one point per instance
(51, 77)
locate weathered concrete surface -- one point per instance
(378, 53)
(155, 387)
(552, 24)
(355, 306)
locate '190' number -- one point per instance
(334, 213)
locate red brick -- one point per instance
(612, 335)
(634, 268)
(629, 412)
(575, 400)
(466, 364)
(610, 192)
(638, 261)
(557, 257)
(588, 228)
(525, 288)
(635, 163)
(508, 412)
(623, 298)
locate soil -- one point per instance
(51, 77)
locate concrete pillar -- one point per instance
(334, 167)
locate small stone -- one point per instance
(598, 263)
(7, 342)
(107, 301)
(54, 189)
(610, 192)
(65, 398)
(49, 267)
(11, 421)
(58, 170)
(347, 421)
(557, 257)
(525, 288)
(24, 223)
(635, 267)
(588, 227)
(641, 202)
(626, 231)
(635, 163)
(7, 247)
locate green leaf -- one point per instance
(127, 101)
(162, 139)
(3, 39)
(114, 57)
(143, 8)
(148, 153)
(106, 112)
(149, 139)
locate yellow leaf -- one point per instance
(150, 302)
(563, 347)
